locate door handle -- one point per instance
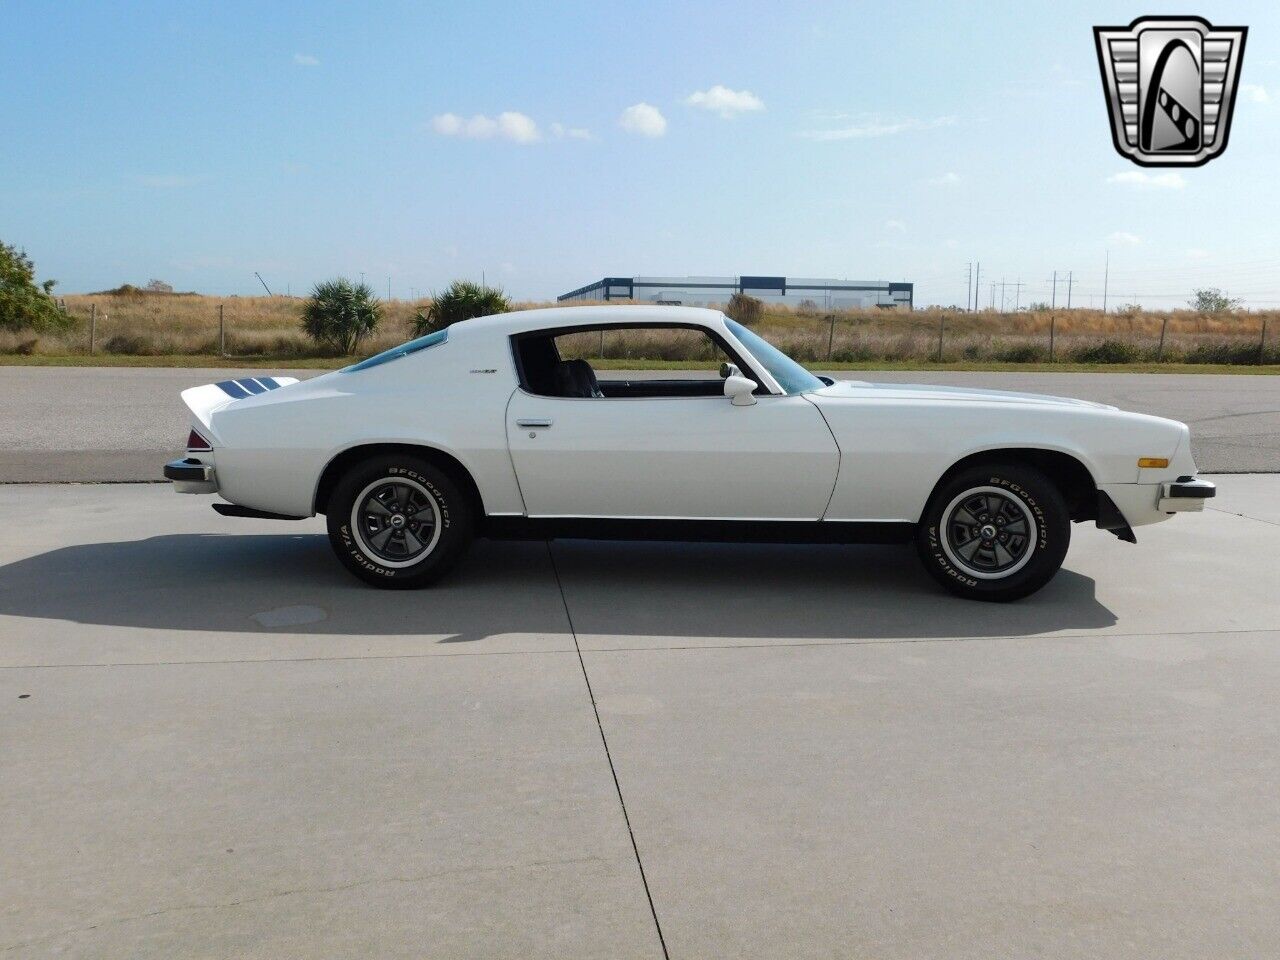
(545, 422)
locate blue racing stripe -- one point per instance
(252, 385)
(268, 382)
(233, 389)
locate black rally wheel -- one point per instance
(994, 532)
(398, 522)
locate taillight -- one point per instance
(197, 443)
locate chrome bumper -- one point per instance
(191, 476)
(1185, 494)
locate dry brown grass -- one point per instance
(183, 324)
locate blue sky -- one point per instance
(197, 143)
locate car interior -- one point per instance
(546, 370)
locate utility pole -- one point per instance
(993, 294)
(264, 283)
(388, 288)
(1053, 302)
(977, 274)
(1017, 295)
(1071, 279)
(968, 287)
(1002, 285)
(1105, 277)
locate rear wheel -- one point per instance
(398, 522)
(996, 532)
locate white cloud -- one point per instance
(1125, 238)
(727, 103)
(561, 132)
(1198, 253)
(897, 226)
(306, 60)
(1142, 180)
(508, 125)
(876, 127)
(643, 119)
(1255, 92)
(944, 180)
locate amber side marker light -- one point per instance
(1157, 462)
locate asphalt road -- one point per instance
(214, 743)
(105, 423)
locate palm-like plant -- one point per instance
(340, 314)
(462, 301)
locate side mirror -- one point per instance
(728, 370)
(739, 389)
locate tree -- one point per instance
(1212, 300)
(464, 300)
(340, 314)
(23, 303)
(745, 309)
(159, 286)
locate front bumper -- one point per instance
(191, 476)
(1185, 494)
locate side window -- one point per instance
(614, 351)
(623, 363)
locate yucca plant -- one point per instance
(463, 300)
(340, 314)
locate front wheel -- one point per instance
(997, 532)
(398, 522)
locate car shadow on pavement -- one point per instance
(293, 584)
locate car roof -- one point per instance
(519, 321)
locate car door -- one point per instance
(671, 457)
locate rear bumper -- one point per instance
(191, 476)
(1185, 494)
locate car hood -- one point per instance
(924, 391)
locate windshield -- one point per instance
(792, 377)
(395, 353)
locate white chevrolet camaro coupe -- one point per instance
(499, 427)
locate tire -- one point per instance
(994, 532)
(432, 533)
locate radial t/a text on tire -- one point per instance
(994, 532)
(398, 521)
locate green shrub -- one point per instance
(24, 305)
(1108, 351)
(1021, 353)
(858, 352)
(340, 314)
(1213, 300)
(1226, 351)
(464, 300)
(130, 345)
(748, 311)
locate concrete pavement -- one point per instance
(119, 423)
(217, 743)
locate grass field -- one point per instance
(182, 330)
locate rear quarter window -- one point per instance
(395, 353)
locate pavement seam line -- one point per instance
(662, 941)
(1243, 516)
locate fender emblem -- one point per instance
(488, 370)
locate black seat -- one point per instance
(575, 378)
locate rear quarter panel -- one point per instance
(274, 448)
